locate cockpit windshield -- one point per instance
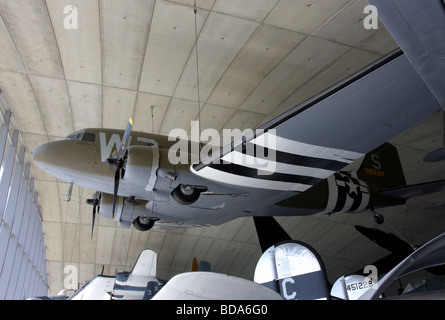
(76, 135)
(82, 136)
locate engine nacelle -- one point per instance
(128, 211)
(106, 207)
(141, 166)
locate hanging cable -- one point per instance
(152, 120)
(195, 10)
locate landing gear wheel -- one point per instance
(143, 223)
(378, 218)
(185, 194)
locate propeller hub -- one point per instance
(113, 162)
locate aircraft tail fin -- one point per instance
(202, 265)
(291, 268)
(269, 232)
(382, 168)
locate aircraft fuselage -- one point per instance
(153, 187)
(148, 176)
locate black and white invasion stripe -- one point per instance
(294, 166)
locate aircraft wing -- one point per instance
(340, 125)
(429, 255)
(416, 190)
(329, 131)
(419, 28)
(213, 286)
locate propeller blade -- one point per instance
(95, 201)
(117, 160)
(125, 140)
(116, 187)
(94, 218)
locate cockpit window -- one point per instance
(83, 136)
(75, 136)
(89, 137)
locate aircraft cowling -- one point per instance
(141, 166)
(106, 206)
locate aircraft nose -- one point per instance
(45, 157)
(53, 157)
(39, 154)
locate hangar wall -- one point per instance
(23, 263)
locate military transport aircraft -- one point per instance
(293, 165)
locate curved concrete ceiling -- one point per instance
(257, 59)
